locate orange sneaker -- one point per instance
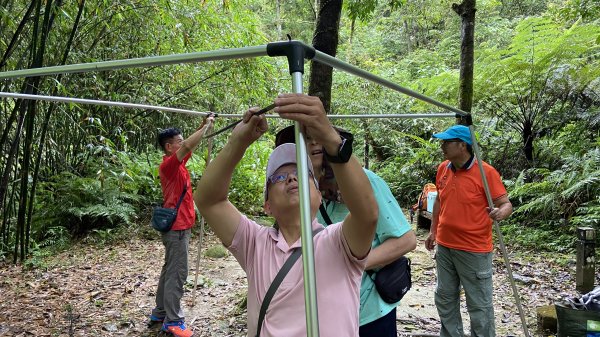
(177, 329)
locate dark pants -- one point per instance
(382, 327)
(172, 276)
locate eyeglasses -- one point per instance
(283, 176)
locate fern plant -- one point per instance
(80, 204)
(569, 195)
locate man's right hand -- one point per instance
(251, 127)
(207, 121)
(430, 242)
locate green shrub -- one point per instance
(247, 184)
(216, 252)
(80, 204)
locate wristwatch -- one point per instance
(344, 151)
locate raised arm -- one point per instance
(211, 192)
(359, 225)
(191, 142)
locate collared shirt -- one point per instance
(262, 251)
(174, 176)
(391, 224)
(464, 222)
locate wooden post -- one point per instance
(546, 320)
(586, 266)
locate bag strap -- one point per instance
(181, 197)
(371, 272)
(291, 260)
(325, 215)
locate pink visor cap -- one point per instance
(282, 155)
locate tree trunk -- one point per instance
(16, 35)
(44, 130)
(528, 140)
(325, 40)
(278, 18)
(38, 44)
(407, 34)
(466, 11)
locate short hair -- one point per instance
(165, 135)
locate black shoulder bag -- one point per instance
(392, 281)
(287, 265)
(163, 218)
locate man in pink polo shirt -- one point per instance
(340, 249)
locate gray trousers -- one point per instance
(474, 272)
(172, 276)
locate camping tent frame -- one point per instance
(296, 52)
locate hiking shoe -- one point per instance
(177, 329)
(155, 320)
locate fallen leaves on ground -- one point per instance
(93, 290)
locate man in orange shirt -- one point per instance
(175, 183)
(462, 229)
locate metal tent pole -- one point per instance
(214, 55)
(308, 259)
(296, 52)
(488, 195)
(105, 103)
(208, 153)
(203, 113)
(335, 63)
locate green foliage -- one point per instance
(565, 197)
(536, 59)
(542, 238)
(38, 258)
(216, 252)
(407, 173)
(247, 184)
(81, 204)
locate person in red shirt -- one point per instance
(175, 182)
(461, 227)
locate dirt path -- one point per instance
(109, 291)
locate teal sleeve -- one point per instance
(391, 222)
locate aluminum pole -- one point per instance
(488, 195)
(335, 63)
(308, 257)
(394, 116)
(203, 113)
(206, 162)
(214, 55)
(106, 103)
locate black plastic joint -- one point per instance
(295, 51)
(468, 119)
(464, 119)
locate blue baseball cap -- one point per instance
(455, 132)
